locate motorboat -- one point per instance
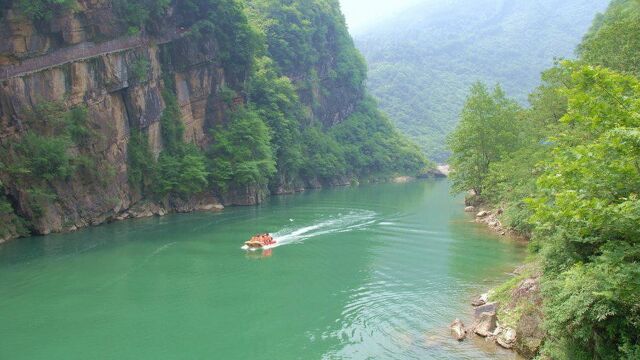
(260, 241)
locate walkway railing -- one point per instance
(80, 52)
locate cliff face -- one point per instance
(84, 57)
(81, 89)
(116, 99)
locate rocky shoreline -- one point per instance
(509, 315)
(209, 203)
(491, 218)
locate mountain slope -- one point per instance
(422, 62)
(112, 109)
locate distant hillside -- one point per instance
(423, 61)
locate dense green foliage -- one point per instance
(51, 150)
(289, 109)
(181, 167)
(241, 153)
(10, 223)
(422, 61)
(141, 168)
(572, 184)
(302, 38)
(487, 132)
(183, 172)
(275, 137)
(276, 101)
(137, 14)
(42, 9)
(226, 21)
(371, 145)
(309, 43)
(140, 70)
(586, 215)
(300, 35)
(614, 40)
(44, 152)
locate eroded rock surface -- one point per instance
(458, 330)
(486, 324)
(120, 99)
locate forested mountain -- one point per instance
(566, 173)
(114, 108)
(422, 62)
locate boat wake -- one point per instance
(340, 223)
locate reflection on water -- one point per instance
(370, 272)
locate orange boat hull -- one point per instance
(256, 242)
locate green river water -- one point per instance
(372, 272)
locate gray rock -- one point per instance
(470, 209)
(507, 338)
(481, 300)
(531, 334)
(486, 324)
(458, 330)
(482, 214)
(489, 307)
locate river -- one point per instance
(370, 272)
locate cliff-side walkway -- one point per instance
(83, 51)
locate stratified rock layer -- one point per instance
(86, 57)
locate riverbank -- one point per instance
(209, 202)
(510, 314)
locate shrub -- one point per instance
(43, 9)
(45, 157)
(182, 174)
(140, 70)
(241, 152)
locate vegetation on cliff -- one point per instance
(281, 131)
(288, 110)
(572, 184)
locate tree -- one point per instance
(43, 9)
(486, 132)
(241, 153)
(614, 39)
(586, 216)
(275, 100)
(182, 174)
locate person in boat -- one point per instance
(266, 239)
(263, 239)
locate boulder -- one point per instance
(481, 300)
(482, 214)
(210, 207)
(486, 324)
(507, 338)
(458, 330)
(470, 209)
(403, 179)
(531, 334)
(486, 308)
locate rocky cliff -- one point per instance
(117, 100)
(84, 74)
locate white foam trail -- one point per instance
(354, 220)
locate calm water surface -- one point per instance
(375, 272)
